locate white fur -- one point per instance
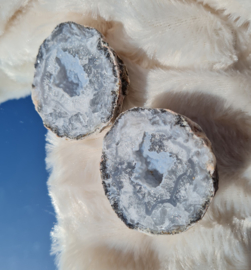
(232, 85)
(8, 9)
(237, 11)
(193, 57)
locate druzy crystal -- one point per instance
(158, 170)
(79, 81)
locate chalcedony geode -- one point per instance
(158, 170)
(79, 82)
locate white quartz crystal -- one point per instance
(157, 173)
(77, 81)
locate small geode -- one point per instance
(79, 82)
(158, 170)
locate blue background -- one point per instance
(26, 213)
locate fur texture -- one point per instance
(193, 57)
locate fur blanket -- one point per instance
(190, 56)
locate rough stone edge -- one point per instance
(195, 129)
(119, 71)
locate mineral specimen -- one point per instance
(79, 82)
(158, 170)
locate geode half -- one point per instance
(79, 82)
(158, 170)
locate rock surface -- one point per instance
(158, 170)
(79, 82)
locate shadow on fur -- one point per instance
(112, 258)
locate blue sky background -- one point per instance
(26, 213)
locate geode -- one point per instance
(158, 170)
(79, 81)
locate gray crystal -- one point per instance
(158, 170)
(77, 84)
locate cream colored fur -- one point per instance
(193, 57)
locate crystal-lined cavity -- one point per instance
(78, 83)
(158, 170)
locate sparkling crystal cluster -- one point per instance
(158, 170)
(78, 82)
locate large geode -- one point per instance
(79, 82)
(158, 170)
